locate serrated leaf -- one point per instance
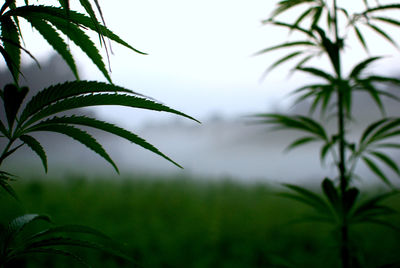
(53, 38)
(375, 169)
(9, 31)
(110, 128)
(68, 89)
(12, 99)
(36, 147)
(79, 135)
(101, 99)
(80, 38)
(9, 62)
(73, 17)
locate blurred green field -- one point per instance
(185, 222)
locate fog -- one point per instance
(219, 148)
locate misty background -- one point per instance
(200, 62)
(219, 148)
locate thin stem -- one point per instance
(344, 249)
(5, 154)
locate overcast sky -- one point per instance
(200, 56)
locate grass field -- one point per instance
(183, 222)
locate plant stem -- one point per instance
(4, 154)
(344, 230)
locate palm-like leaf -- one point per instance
(16, 244)
(11, 43)
(372, 210)
(5, 179)
(79, 135)
(69, 22)
(104, 126)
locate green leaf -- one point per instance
(387, 20)
(309, 198)
(324, 150)
(58, 92)
(286, 45)
(50, 251)
(4, 183)
(299, 142)
(79, 135)
(387, 160)
(64, 241)
(6, 4)
(18, 224)
(9, 62)
(383, 34)
(371, 203)
(375, 169)
(36, 147)
(101, 99)
(361, 66)
(317, 72)
(82, 41)
(384, 131)
(331, 193)
(371, 128)
(9, 32)
(79, 229)
(291, 27)
(74, 17)
(381, 7)
(3, 129)
(13, 97)
(54, 39)
(282, 60)
(361, 38)
(350, 197)
(110, 128)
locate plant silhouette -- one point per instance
(41, 113)
(325, 28)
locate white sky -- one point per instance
(200, 56)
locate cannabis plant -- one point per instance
(42, 111)
(322, 30)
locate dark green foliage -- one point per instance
(339, 203)
(40, 113)
(17, 243)
(191, 222)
